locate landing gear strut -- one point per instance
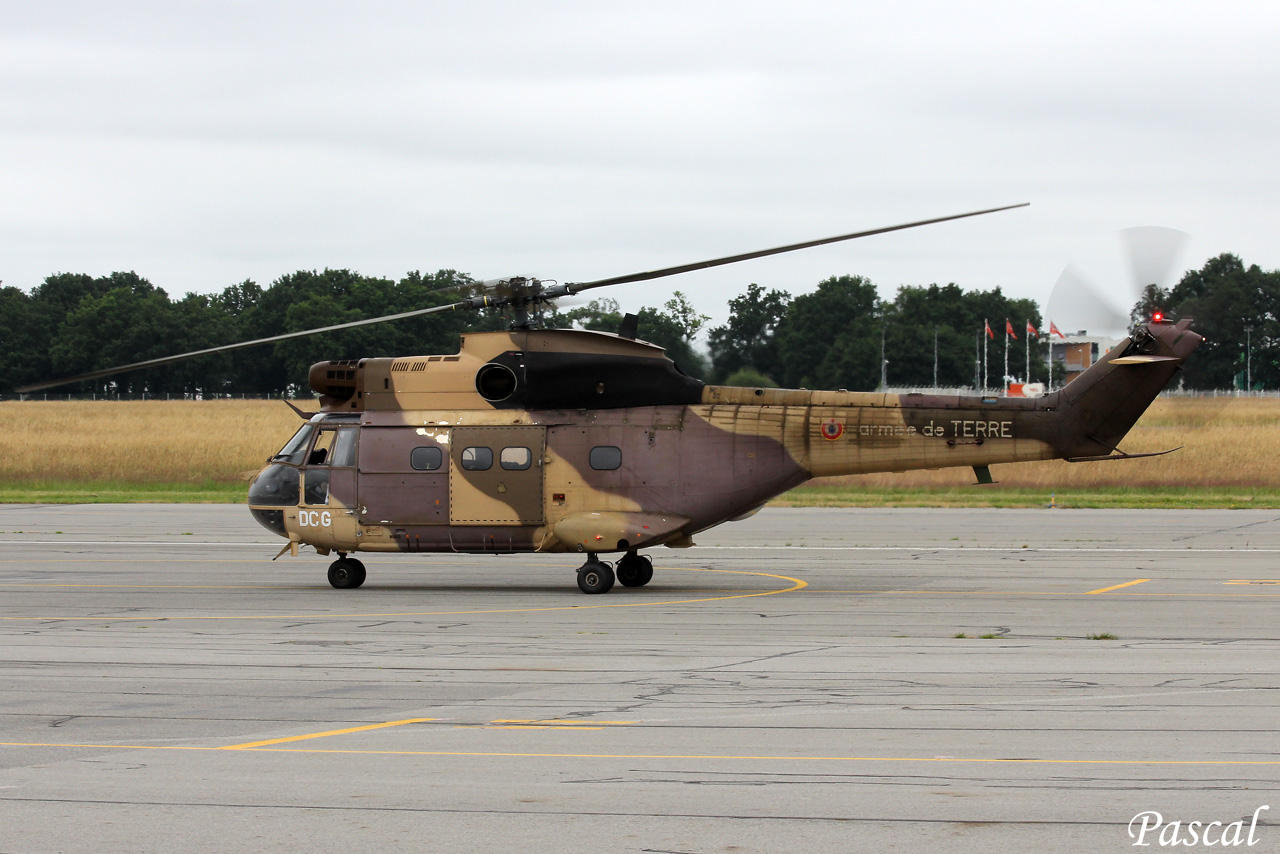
(634, 570)
(595, 576)
(346, 572)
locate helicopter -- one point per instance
(566, 440)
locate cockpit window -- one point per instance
(295, 450)
(321, 452)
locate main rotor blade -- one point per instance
(226, 348)
(574, 287)
(483, 300)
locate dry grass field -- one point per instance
(140, 442)
(1229, 444)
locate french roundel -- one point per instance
(832, 429)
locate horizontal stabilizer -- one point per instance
(1120, 455)
(1143, 360)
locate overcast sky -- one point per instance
(202, 144)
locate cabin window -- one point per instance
(515, 459)
(426, 459)
(344, 447)
(477, 459)
(606, 457)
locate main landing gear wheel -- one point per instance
(634, 570)
(346, 573)
(595, 576)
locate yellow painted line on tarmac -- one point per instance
(708, 757)
(796, 584)
(1118, 586)
(957, 592)
(1063, 593)
(1027, 592)
(253, 744)
(530, 726)
(1210, 595)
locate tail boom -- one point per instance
(839, 433)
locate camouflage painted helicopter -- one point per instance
(554, 440)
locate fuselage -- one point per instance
(563, 440)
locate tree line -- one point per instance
(835, 336)
(832, 337)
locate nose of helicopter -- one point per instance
(272, 520)
(274, 488)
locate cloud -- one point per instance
(203, 144)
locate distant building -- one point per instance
(1072, 355)
(1025, 390)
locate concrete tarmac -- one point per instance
(797, 682)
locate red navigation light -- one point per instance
(1158, 317)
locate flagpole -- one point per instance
(986, 328)
(977, 361)
(1026, 378)
(1049, 387)
(1004, 382)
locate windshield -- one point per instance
(296, 449)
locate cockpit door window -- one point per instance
(315, 477)
(344, 447)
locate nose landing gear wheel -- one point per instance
(595, 576)
(635, 570)
(346, 573)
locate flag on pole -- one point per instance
(990, 334)
(1008, 329)
(1053, 330)
(1031, 330)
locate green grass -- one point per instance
(111, 492)
(1104, 497)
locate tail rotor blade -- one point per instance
(1152, 252)
(1077, 303)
